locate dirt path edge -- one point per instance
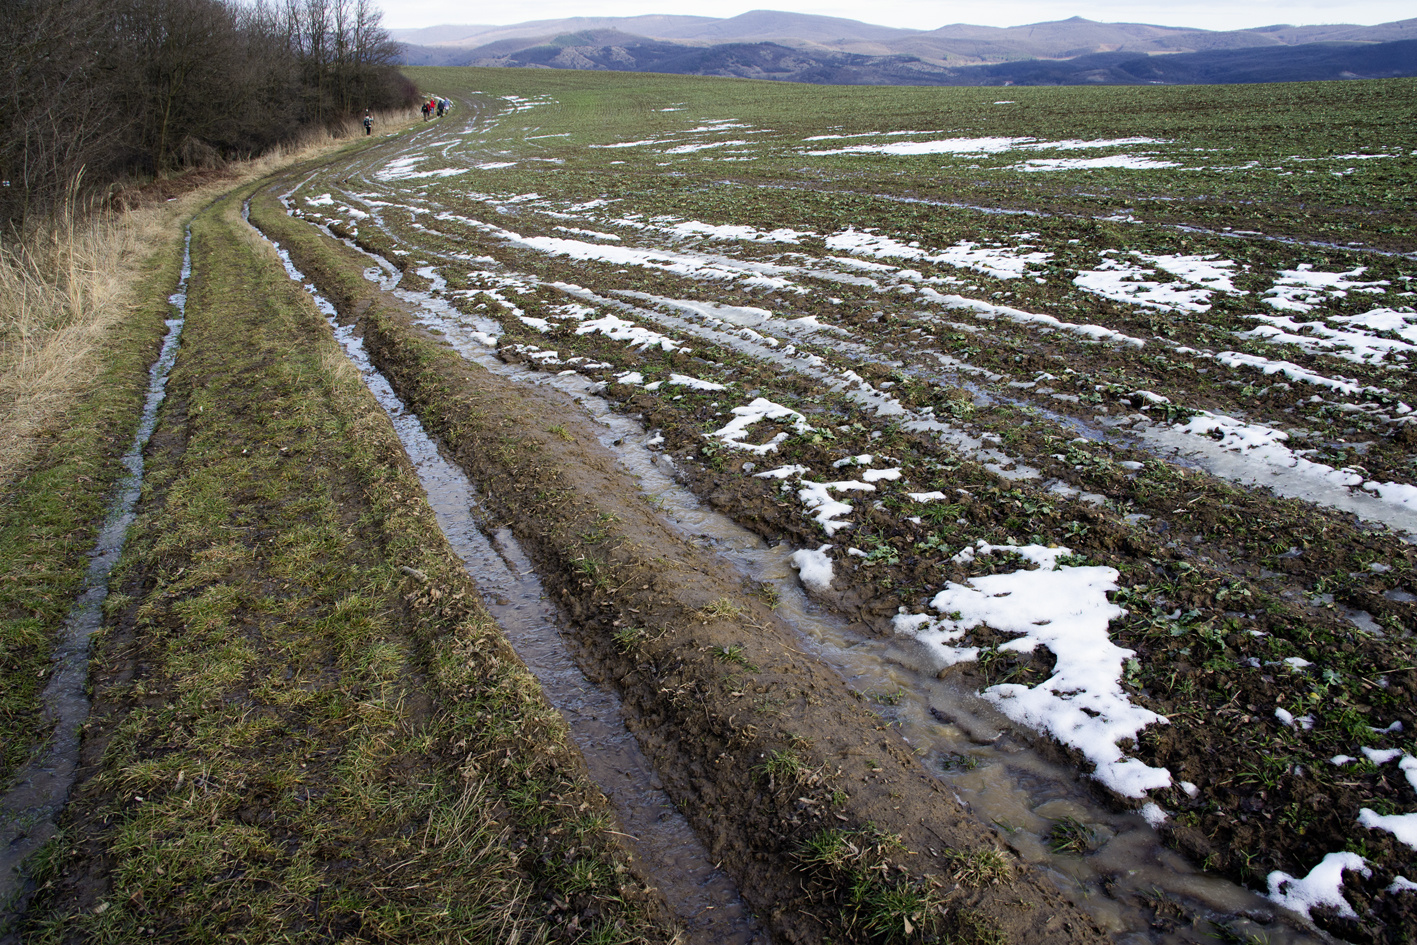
(764, 749)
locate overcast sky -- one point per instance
(922, 14)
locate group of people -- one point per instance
(435, 105)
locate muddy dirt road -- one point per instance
(637, 509)
(1076, 498)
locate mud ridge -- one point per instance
(761, 747)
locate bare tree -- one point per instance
(149, 87)
(51, 101)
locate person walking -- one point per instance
(368, 122)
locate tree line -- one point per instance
(98, 91)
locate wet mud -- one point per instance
(30, 809)
(655, 616)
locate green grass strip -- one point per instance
(305, 726)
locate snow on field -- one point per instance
(1128, 161)
(1001, 262)
(748, 234)
(1075, 144)
(628, 144)
(823, 507)
(1358, 341)
(765, 275)
(694, 383)
(1302, 289)
(744, 418)
(1178, 282)
(636, 336)
(816, 497)
(403, 169)
(1123, 281)
(944, 146)
(1065, 609)
(988, 310)
(700, 146)
(1401, 826)
(995, 145)
(814, 567)
(1292, 371)
(1255, 454)
(1401, 323)
(1322, 887)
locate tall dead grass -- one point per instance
(68, 281)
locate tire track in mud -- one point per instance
(760, 745)
(670, 856)
(31, 808)
(1167, 529)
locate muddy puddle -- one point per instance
(703, 898)
(1130, 883)
(30, 810)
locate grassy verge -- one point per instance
(305, 726)
(49, 514)
(82, 308)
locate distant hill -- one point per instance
(955, 45)
(828, 50)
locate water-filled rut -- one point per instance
(704, 899)
(1125, 884)
(29, 811)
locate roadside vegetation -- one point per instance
(84, 300)
(304, 722)
(100, 95)
(927, 369)
(1026, 338)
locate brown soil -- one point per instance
(762, 750)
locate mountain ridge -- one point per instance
(832, 50)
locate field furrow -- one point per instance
(1095, 403)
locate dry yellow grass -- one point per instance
(68, 281)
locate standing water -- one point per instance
(704, 899)
(30, 809)
(1130, 883)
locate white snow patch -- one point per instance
(783, 472)
(1129, 161)
(683, 380)
(746, 233)
(1118, 279)
(1065, 609)
(826, 510)
(1303, 289)
(1153, 814)
(1322, 887)
(1361, 347)
(814, 568)
(1401, 826)
(945, 146)
(1001, 262)
(760, 409)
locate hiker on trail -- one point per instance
(440, 107)
(368, 122)
(425, 111)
